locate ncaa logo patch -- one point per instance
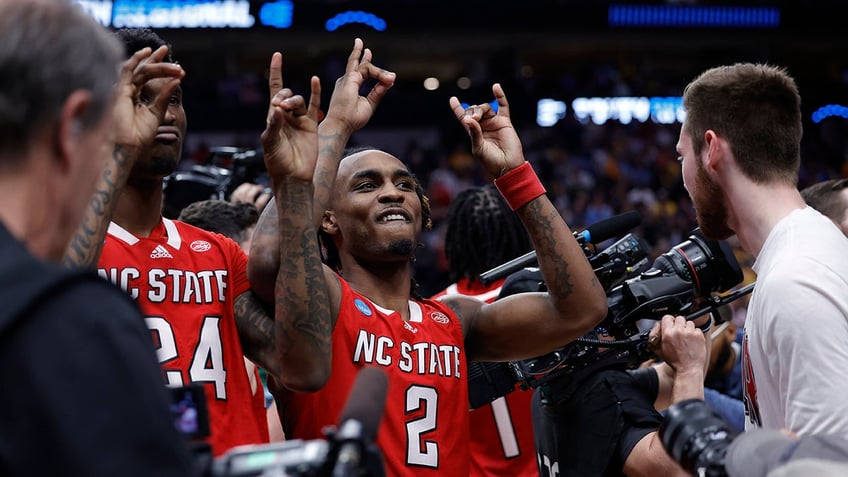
(200, 246)
(439, 317)
(362, 307)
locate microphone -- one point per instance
(608, 228)
(358, 426)
(595, 233)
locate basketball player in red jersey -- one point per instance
(374, 213)
(190, 284)
(481, 233)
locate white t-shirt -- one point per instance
(795, 351)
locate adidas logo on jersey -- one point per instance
(160, 252)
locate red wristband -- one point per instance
(519, 186)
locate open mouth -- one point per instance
(393, 216)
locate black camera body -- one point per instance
(225, 169)
(681, 281)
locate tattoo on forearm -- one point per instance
(331, 148)
(256, 330)
(301, 293)
(542, 234)
(86, 244)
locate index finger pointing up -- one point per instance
(275, 74)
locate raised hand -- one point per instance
(137, 118)
(493, 139)
(347, 106)
(290, 139)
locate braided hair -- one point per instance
(482, 232)
(329, 252)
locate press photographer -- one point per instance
(594, 413)
(704, 444)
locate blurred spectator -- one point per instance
(831, 199)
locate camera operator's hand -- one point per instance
(679, 343)
(683, 348)
(494, 141)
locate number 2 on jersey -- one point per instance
(207, 363)
(416, 398)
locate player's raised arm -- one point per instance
(302, 319)
(348, 112)
(528, 324)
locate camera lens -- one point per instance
(709, 265)
(696, 437)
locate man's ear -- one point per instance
(328, 222)
(716, 151)
(69, 129)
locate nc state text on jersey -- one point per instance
(420, 358)
(178, 286)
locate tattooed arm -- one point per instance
(87, 243)
(527, 324)
(134, 129)
(303, 323)
(348, 112)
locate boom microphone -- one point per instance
(595, 233)
(608, 228)
(358, 426)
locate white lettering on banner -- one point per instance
(101, 11)
(207, 14)
(421, 358)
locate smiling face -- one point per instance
(707, 195)
(376, 212)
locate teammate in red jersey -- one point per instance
(482, 232)
(190, 284)
(374, 212)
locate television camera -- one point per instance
(349, 449)
(687, 280)
(224, 170)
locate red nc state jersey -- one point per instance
(185, 281)
(501, 432)
(424, 429)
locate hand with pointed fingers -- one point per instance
(290, 139)
(346, 104)
(136, 118)
(493, 139)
